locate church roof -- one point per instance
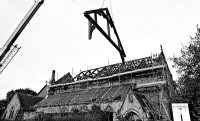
(128, 66)
(43, 91)
(95, 95)
(67, 78)
(27, 101)
(104, 94)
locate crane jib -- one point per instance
(6, 48)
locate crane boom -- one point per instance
(6, 48)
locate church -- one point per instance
(136, 90)
(19, 106)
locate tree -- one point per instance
(3, 104)
(28, 91)
(188, 69)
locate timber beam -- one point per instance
(94, 24)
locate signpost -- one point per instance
(180, 112)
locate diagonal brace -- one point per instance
(94, 24)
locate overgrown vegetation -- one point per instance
(95, 114)
(188, 69)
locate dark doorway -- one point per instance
(131, 116)
(109, 116)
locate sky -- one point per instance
(56, 38)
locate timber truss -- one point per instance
(133, 65)
(94, 24)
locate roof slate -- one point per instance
(27, 101)
(100, 95)
(67, 78)
(87, 96)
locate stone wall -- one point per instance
(152, 83)
(67, 108)
(131, 104)
(29, 115)
(13, 107)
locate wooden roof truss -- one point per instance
(110, 24)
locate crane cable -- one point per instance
(103, 4)
(110, 7)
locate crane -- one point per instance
(8, 51)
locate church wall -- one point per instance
(29, 115)
(131, 104)
(13, 108)
(151, 83)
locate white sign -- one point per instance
(180, 112)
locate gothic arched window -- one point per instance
(11, 113)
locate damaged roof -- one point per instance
(142, 63)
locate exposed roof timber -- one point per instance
(120, 68)
(94, 24)
(114, 75)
